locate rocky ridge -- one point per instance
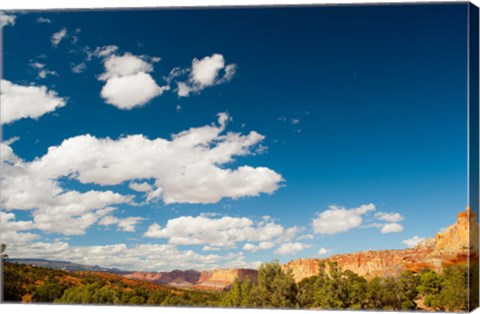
(218, 279)
(451, 246)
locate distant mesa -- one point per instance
(218, 279)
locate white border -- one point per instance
(85, 4)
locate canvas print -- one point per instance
(297, 157)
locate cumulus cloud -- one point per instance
(42, 70)
(391, 227)
(6, 19)
(128, 83)
(54, 209)
(261, 246)
(72, 212)
(291, 248)
(204, 73)
(140, 187)
(323, 251)
(186, 169)
(339, 219)
(128, 92)
(124, 224)
(32, 101)
(10, 227)
(413, 241)
(58, 37)
(390, 217)
(122, 256)
(221, 232)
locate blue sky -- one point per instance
(168, 139)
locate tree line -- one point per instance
(331, 288)
(337, 289)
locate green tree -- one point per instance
(241, 294)
(13, 288)
(305, 292)
(355, 289)
(454, 293)
(374, 298)
(47, 292)
(275, 288)
(429, 286)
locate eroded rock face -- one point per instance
(178, 278)
(220, 279)
(452, 246)
(456, 238)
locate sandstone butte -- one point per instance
(454, 245)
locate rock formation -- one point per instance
(218, 279)
(177, 278)
(451, 246)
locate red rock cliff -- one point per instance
(448, 247)
(220, 279)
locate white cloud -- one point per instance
(124, 224)
(390, 217)
(290, 234)
(6, 19)
(140, 187)
(306, 237)
(207, 248)
(261, 246)
(291, 248)
(128, 82)
(128, 92)
(124, 65)
(72, 212)
(58, 37)
(105, 51)
(53, 208)
(187, 169)
(134, 257)
(413, 241)
(27, 101)
(10, 227)
(43, 20)
(78, 68)
(204, 73)
(339, 219)
(221, 232)
(42, 71)
(323, 251)
(391, 227)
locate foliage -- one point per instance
(331, 288)
(38, 284)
